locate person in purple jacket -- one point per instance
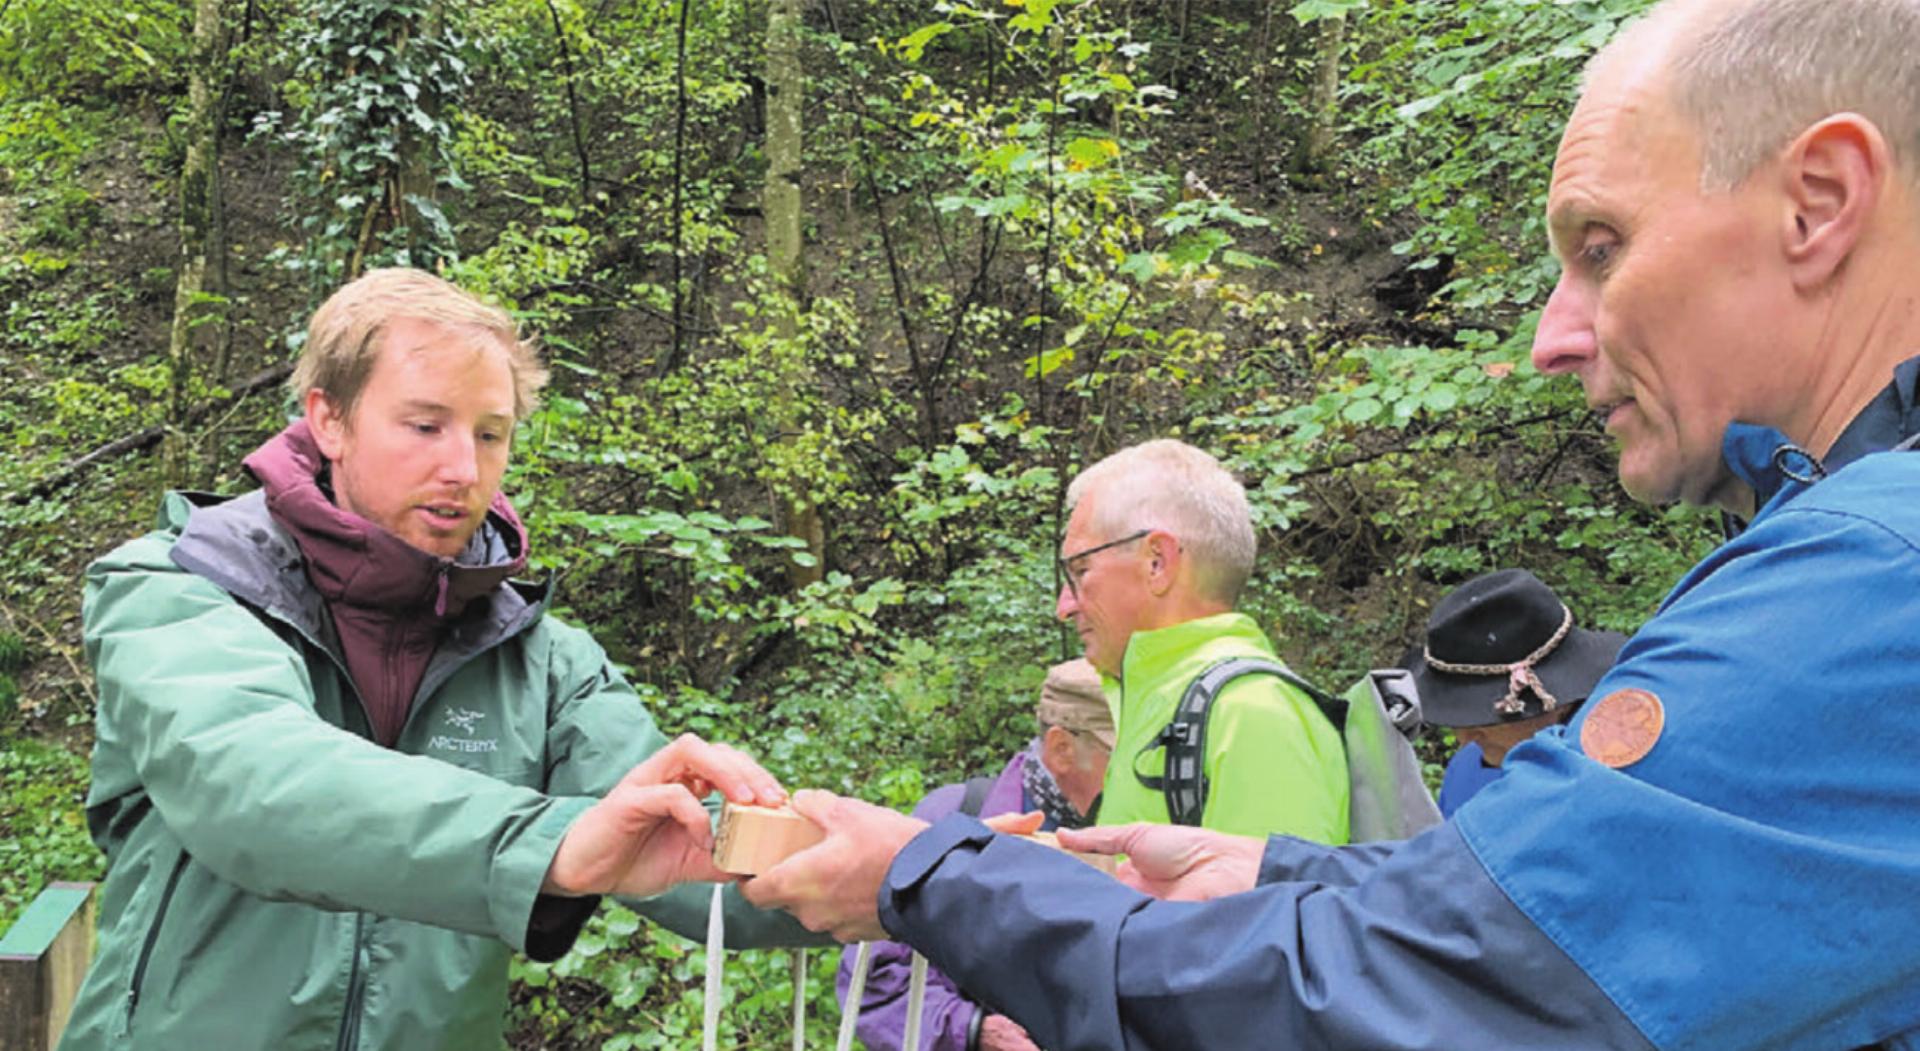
(1057, 774)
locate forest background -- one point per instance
(838, 294)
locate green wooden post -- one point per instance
(43, 957)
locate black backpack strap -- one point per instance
(1184, 781)
(976, 794)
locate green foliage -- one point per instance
(373, 81)
(13, 658)
(1068, 174)
(1463, 105)
(43, 143)
(1038, 231)
(43, 830)
(646, 989)
(58, 48)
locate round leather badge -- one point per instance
(1623, 727)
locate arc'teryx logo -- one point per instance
(467, 721)
(464, 719)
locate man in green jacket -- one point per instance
(1159, 542)
(344, 764)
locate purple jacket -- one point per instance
(948, 1014)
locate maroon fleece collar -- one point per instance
(356, 562)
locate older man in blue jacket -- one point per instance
(1723, 849)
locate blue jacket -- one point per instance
(1467, 773)
(1751, 882)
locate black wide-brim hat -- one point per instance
(1498, 619)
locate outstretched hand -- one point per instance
(650, 832)
(1175, 862)
(834, 885)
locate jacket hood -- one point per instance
(354, 561)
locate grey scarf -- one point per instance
(1046, 792)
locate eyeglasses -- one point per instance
(1072, 575)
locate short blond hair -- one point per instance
(1168, 484)
(343, 339)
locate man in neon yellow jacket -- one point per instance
(1159, 543)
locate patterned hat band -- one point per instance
(1520, 674)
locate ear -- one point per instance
(1834, 175)
(1163, 561)
(329, 427)
(1056, 748)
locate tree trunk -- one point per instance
(1316, 151)
(196, 207)
(415, 182)
(780, 204)
(677, 207)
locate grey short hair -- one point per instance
(1752, 75)
(1170, 485)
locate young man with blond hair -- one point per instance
(345, 765)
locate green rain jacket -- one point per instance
(278, 881)
(1274, 764)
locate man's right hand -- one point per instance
(1175, 862)
(1000, 1033)
(834, 885)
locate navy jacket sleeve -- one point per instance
(1423, 952)
(1289, 858)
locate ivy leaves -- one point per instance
(375, 83)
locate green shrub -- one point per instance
(43, 827)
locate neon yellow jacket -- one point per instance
(1274, 763)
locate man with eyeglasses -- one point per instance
(1159, 543)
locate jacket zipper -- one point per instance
(153, 936)
(356, 988)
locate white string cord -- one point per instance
(856, 989)
(716, 964)
(799, 1000)
(916, 1000)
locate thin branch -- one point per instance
(678, 353)
(573, 100)
(1046, 253)
(145, 439)
(80, 676)
(1502, 427)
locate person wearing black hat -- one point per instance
(1503, 661)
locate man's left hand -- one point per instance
(1175, 862)
(834, 885)
(650, 832)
